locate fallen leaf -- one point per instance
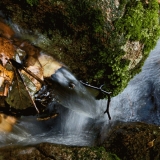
(6, 50)
(6, 123)
(6, 78)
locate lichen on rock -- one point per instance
(133, 52)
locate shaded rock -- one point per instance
(134, 141)
(49, 151)
(19, 153)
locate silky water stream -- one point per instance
(82, 118)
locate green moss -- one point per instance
(32, 2)
(87, 153)
(112, 156)
(140, 23)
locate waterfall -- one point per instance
(138, 102)
(76, 124)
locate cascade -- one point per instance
(140, 100)
(76, 124)
(77, 108)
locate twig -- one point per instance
(18, 65)
(101, 90)
(33, 75)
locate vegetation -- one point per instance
(140, 23)
(32, 2)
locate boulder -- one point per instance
(50, 151)
(134, 141)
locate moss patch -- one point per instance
(140, 23)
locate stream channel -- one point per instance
(82, 120)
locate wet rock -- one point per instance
(129, 141)
(134, 141)
(19, 153)
(49, 151)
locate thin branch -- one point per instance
(33, 75)
(20, 66)
(46, 118)
(103, 91)
(97, 88)
(28, 91)
(107, 109)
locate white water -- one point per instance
(69, 129)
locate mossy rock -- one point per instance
(50, 151)
(103, 42)
(136, 141)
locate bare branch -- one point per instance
(28, 91)
(20, 66)
(103, 91)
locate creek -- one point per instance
(82, 118)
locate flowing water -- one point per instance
(79, 123)
(140, 100)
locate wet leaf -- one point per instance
(18, 96)
(6, 78)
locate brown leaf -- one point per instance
(6, 122)
(6, 50)
(6, 78)
(5, 30)
(18, 96)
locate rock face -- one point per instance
(103, 42)
(134, 141)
